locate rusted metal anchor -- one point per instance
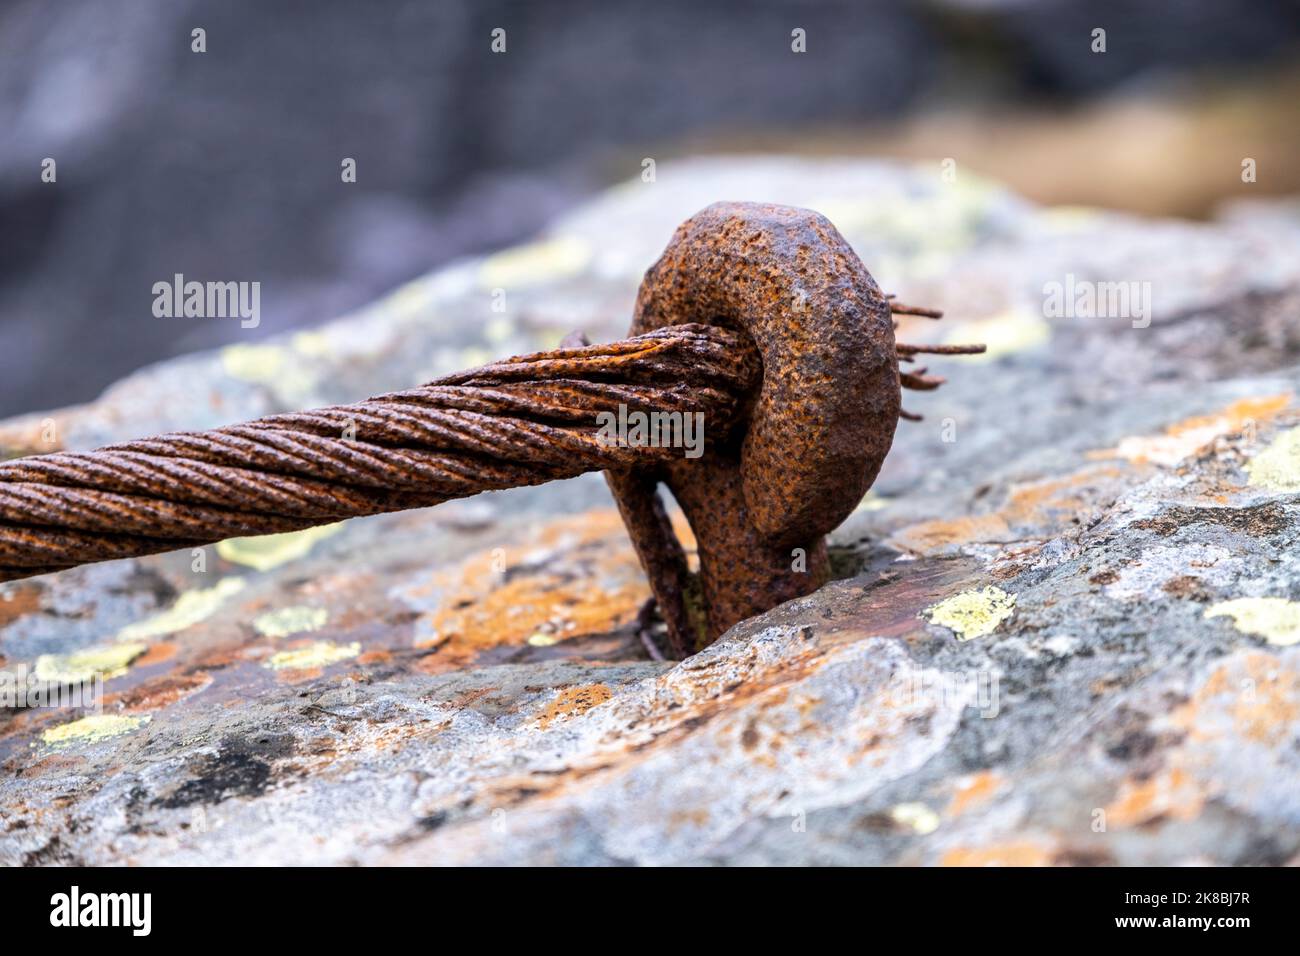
(740, 285)
(821, 424)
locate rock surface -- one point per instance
(1065, 631)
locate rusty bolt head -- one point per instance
(825, 414)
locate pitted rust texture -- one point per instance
(786, 278)
(522, 421)
(820, 427)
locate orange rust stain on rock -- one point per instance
(51, 765)
(20, 721)
(351, 618)
(1170, 794)
(1237, 415)
(31, 435)
(159, 693)
(375, 657)
(931, 536)
(577, 576)
(219, 659)
(435, 664)
(1079, 854)
(1014, 853)
(1034, 509)
(974, 790)
(17, 601)
(573, 701)
(291, 675)
(327, 585)
(1190, 436)
(162, 651)
(1258, 692)
(695, 818)
(470, 697)
(1186, 586)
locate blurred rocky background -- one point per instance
(225, 165)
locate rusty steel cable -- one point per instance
(522, 421)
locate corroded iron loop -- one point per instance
(825, 414)
(820, 426)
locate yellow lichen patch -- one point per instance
(926, 230)
(253, 363)
(290, 620)
(474, 356)
(1172, 794)
(1277, 620)
(573, 701)
(93, 728)
(319, 654)
(974, 790)
(79, 667)
(1016, 853)
(499, 330)
(538, 262)
(312, 344)
(190, 608)
(1277, 467)
(266, 551)
(973, 613)
(1188, 437)
(1069, 218)
(916, 817)
(1016, 330)
(290, 373)
(412, 301)
(871, 502)
(575, 576)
